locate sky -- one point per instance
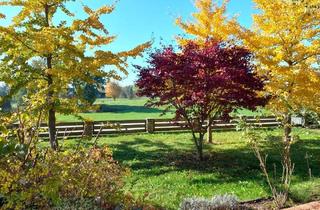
(137, 21)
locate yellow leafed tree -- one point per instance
(70, 48)
(285, 39)
(209, 22)
(113, 90)
(286, 42)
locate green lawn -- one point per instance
(126, 109)
(164, 169)
(120, 109)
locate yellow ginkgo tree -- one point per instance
(285, 40)
(71, 49)
(209, 22)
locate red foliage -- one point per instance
(201, 82)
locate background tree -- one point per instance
(113, 90)
(6, 103)
(210, 22)
(201, 83)
(128, 92)
(17, 98)
(70, 47)
(92, 91)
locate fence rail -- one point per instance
(79, 129)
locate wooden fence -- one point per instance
(79, 129)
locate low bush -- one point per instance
(86, 178)
(220, 202)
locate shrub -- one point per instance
(220, 202)
(279, 187)
(48, 179)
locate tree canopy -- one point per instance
(285, 43)
(201, 83)
(72, 49)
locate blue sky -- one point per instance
(138, 21)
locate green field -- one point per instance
(126, 109)
(165, 170)
(120, 109)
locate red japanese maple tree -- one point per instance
(202, 83)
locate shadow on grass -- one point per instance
(152, 158)
(127, 108)
(149, 157)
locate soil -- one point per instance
(267, 204)
(259, 204)
(308, 206)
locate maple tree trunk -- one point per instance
(199, 144)
(200, 149)
(197, 128)
(209, 137)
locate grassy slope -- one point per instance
(164, 170)
(125, 109)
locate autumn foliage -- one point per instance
(284, 41)
(201, 83)
(113, 90)
(287, 48)
(74, 179)
(209, 22)
(285, 44)
(71, 48)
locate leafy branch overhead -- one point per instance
(71, 49)
(76, 48)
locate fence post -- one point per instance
(88, 129)
(209, 132)
(150, 125)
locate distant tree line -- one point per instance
(90, 93)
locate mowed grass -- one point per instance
(128, 109)
(165, 170)
(120, 109)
